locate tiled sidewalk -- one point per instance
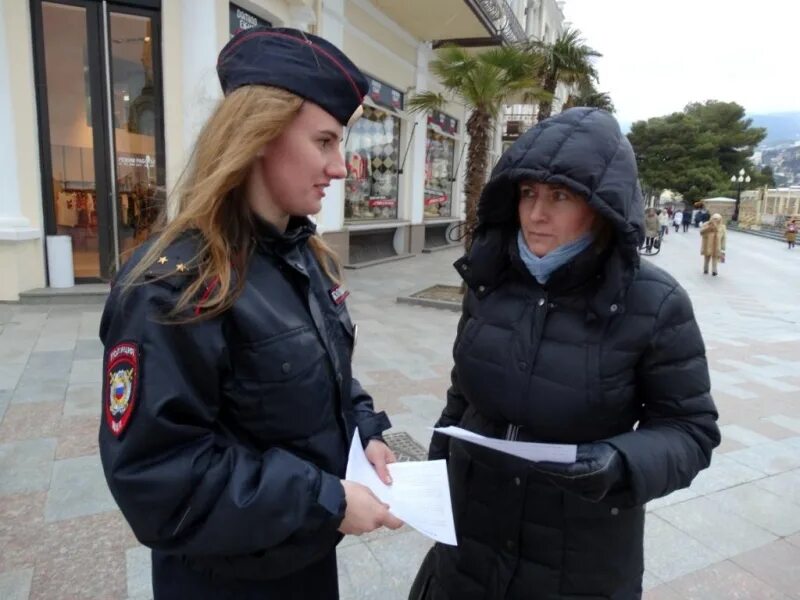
(734, 534)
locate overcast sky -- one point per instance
(659, 55)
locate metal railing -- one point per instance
(511, 29)
(503, 19)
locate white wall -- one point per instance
(21, 244)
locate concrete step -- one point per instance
(766, 233)
(84, 293)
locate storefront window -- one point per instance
(440, 150)
(439, 157)
(71, 135)
(372, 154)
(136, 110)
(102, 188)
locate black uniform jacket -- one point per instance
(236, 428)
(608, 350)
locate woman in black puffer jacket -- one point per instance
(566, 337)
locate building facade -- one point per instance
(544, 21)
(101, 101)
(769, 208)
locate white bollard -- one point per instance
(59, 261)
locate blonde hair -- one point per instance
(211, 199)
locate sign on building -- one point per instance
(241, 19)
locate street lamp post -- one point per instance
(742, 178)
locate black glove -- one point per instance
(597, 470)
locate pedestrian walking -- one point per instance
(677, 220)
(566, 336)
(651, 228)
(686, 219)
(791, 233)
(712, 243)
(229, 401)
(663, 223)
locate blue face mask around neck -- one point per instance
(542, 268)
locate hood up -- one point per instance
(584, 150)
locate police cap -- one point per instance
(302, 63)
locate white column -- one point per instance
(417, 158)
(459, 208)
(497, 142)
(201, 89)
(13, 224)
(331, 27)
(532, 10)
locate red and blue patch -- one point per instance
(121, 386)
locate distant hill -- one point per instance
(781, 127)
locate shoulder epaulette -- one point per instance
(178, 263)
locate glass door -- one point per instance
(137, 148)
(72, 138)
(101, 127)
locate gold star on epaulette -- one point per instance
(181, 267)
(163, 260)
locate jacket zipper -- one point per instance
(512, 431)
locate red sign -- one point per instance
(378, 202)
(431, 200)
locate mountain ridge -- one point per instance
(782, 127)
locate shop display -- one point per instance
(76, 216)
(439, 158)
(372, 157)
(138, 210)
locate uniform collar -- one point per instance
(297, 232)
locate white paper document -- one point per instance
(533, 451)
(419, 494)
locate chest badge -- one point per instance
(122, 379)
(339, 294)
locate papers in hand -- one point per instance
(536, 452)
(419, 494)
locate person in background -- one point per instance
(712, 243)
(791, 233)
(663, 223)
(677, 220)
(686, 219)
(566, 336)
(650, 228)
(229, 400)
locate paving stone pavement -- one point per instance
(735, 533)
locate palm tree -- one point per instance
(567, 60)
(588, 95)
(484, 82)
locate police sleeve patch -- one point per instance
(121, 385)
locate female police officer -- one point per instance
(229, 401)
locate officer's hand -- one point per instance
(379, 455)
(365, 512)
(598, 468)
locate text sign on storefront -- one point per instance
(445, 123)
(135, 160)
(241, 19)
(385, 95)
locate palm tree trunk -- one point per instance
(479, 128)
(546, 107)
